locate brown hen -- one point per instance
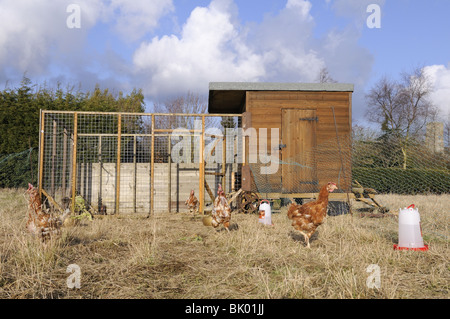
(192, 203)
(40, 223)
(221, 213)
(307, 217)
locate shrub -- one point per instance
(404, 182)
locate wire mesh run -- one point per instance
(136, 163)
(309, 170)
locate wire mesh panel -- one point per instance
(57, 136)
(96, 160)
(132, 163)
(305, 172)
(135, 159)
(136, 163)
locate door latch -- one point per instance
(316, 119)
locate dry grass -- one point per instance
(174, 256)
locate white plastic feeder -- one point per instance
(410, 230)
(265, 213)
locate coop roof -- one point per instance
(229, 97)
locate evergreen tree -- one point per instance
(20, 113)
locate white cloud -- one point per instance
(286, 43)
(301, 6)
(36, 40)
(212, 45)
(354, 9)
(210, 48)
(440, 77)
(133, 19)
(35, 36)
(28, 30)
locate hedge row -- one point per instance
(404, 182)
(17, 170)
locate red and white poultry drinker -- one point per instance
(265, 213)
(410, 230)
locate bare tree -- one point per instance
(324, 76)
(191, 103)
(417, 108)
(402, 108)
(362, 133)
(447, 132)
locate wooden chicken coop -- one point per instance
(313, 127)
(259, 140)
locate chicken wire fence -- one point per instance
(305, 172)
(135, 163)
(383, 166)
(139, 163)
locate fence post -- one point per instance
(100, 159)
(169, 184)
(152, 170)
(52, 183)
(63, 180)
(202, 169)
(224, 160)
(134, 174)
(119, 141)
(74, 160)
(41, 151)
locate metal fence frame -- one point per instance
(64, 141)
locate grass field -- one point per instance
(174, 256)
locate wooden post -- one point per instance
(152, 170)
(169, 184)
(224, 162)
(74, 159)
(246, 124)
(119, 141)
(63, 179)
(135, 174)
(100, 182)
(201, 194)
(41, 152)
(233, 181)
(52, 187)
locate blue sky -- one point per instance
(169, 47)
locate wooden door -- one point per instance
(298, 139)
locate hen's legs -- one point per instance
(306, 236)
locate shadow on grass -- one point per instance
(296, 236)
